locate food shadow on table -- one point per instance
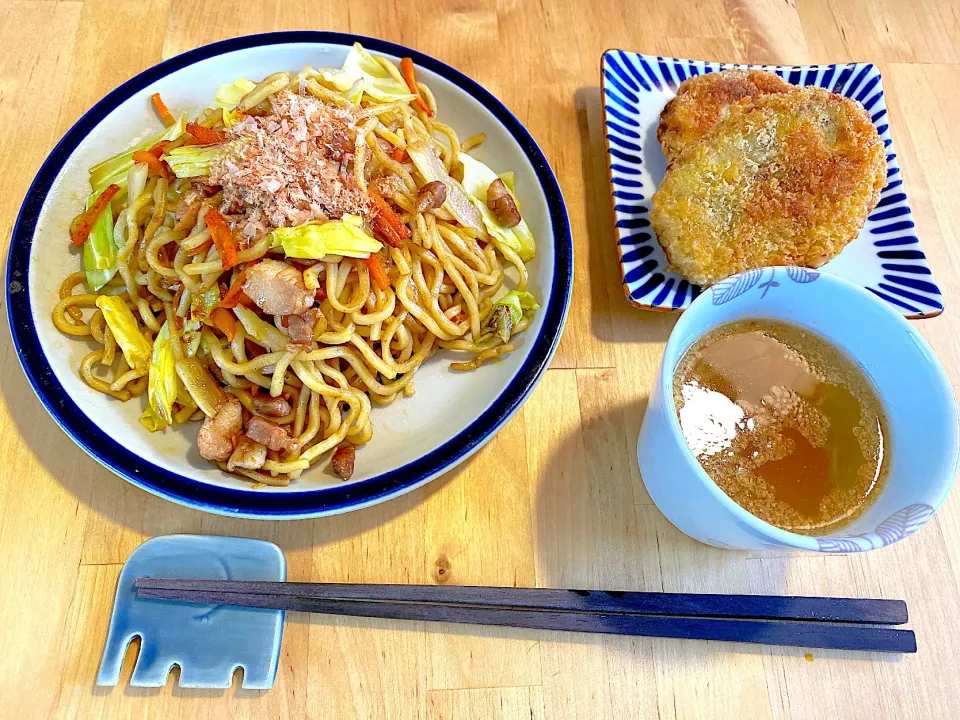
(46, 441)
(597, 529)
(602, 263)
(145, 515)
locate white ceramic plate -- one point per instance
(885, 258)
(415, 439)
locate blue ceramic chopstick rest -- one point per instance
(207, 642)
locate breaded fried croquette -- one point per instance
(703, 100)
(785, 179)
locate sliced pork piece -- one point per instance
(277, 288)
(219, 434)
(270, 406)
(249, 455)
(300, 327)
(270, 434)
(187, 210)
(343, 460)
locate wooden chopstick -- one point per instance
(758, 607)
(741, 618)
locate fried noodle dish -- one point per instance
(289, 259)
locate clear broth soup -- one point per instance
(788, 426)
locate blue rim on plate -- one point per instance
(895, 269)
(248, 503)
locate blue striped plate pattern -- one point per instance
(885, 258)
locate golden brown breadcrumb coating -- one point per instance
(704, 100)
(785, 179)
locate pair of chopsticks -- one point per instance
(835, 623)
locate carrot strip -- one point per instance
(150, 160)
(232, 297)
(225, 322)
(406, 68)
(377, 271)
(188, 139)
(223, 239)
(155, 166)
(206, 135)
(387, 213)
(157, 150)
(83, 223)
(398, 154)
(382, 230)
(162, 110)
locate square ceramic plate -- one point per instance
(885, 258)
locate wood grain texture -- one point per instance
(556, 500)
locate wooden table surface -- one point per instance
(556, 499)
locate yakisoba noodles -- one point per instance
(289, 259)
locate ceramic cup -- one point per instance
(923, 438)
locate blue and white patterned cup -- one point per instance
(923, 436)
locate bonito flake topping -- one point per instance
(290, 167)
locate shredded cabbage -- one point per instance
(333, 237)
(379, 84)
(203, 304)
(228, 96)
(191, 336)
(183, 396)
(518, 303)
(507, 313)
(192, 160)
(263, 332)
(151, 421)
(114, 170)
(136, 181)
(162, 384)
(476, 179)
(136, 348)
(231, 117)
(99, 251)
(355, 93)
